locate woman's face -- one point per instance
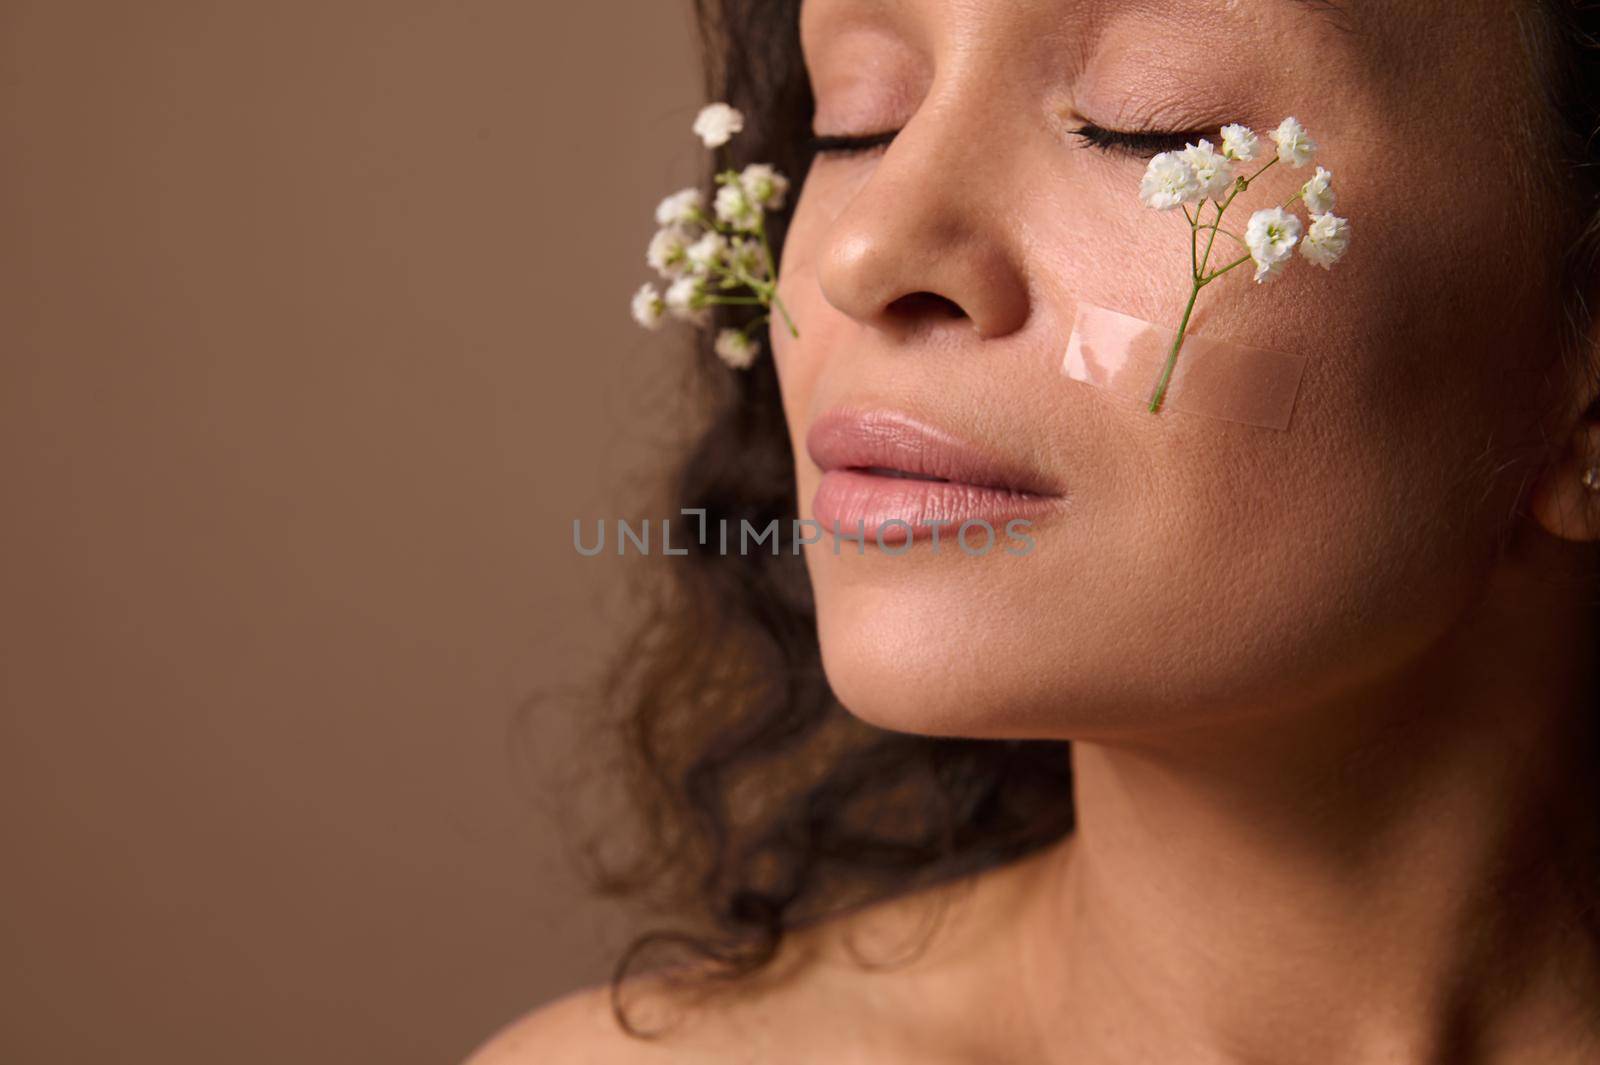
(1191, 567)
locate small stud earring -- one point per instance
(1591, 478)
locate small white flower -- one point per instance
(706, 252)
(686, 300)
(746, 257)
(736, 349)
(681, 208)
(764, 186)
(1211, 169)
(1169, 181)
(1295, 148)
(1270, 236)
(666, 252)
(717, 123)
(1318, 192)
(648, 307)
(1239, 142)
(735, 208)
(1327, 240)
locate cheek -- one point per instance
(800, 361)
(1206, 567)
(1245, 567)
(1198, 575)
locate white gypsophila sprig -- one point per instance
(1327, 240)
(717, 123)
(1271, 235)
(707, 256)
(681, 208)
(746, 259)
(707, 253)
(1239, 142)
(1212, 170)
(1295, 147)
(1318, 192)
(649, 309)
(1201, 175)
(734, 208)
(667, 251)
(686, 300)
(735, 348)
(764, 187)
(1169, 182)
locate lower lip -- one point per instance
(852, 501)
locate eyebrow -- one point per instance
(1335, 11)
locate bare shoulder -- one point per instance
(756, 1019)
(783, 1015)
(576, 1029)
(832, 994)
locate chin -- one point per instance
(1017, 649)
(942, 650)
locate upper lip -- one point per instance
(845, 438)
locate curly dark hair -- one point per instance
(762, 805)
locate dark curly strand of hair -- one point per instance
(763, 805)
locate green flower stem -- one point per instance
(1218, 273)
(738, 277)
(1194, 293)
(1172, 356)
(1270, 164)
(1194, 243)
(776, 302)
(1198, 276)
(772, 272)
(1225, 232)
(1222, 208)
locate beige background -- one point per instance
(314, 340)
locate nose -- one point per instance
(926, 240)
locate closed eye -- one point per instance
(1141, 143)
(841, 144)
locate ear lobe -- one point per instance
(1561, 501)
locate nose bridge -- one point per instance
(933, 217)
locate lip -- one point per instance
(947, 480)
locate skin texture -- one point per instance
(1332, 688)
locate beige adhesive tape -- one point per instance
(1214, 378)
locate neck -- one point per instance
(1398, 877)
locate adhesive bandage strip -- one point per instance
(1214, 378)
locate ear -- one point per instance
(1566, 498)
(1561, 501)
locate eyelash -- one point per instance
(844, 144)
(1141, 143)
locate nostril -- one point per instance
(916, 304)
